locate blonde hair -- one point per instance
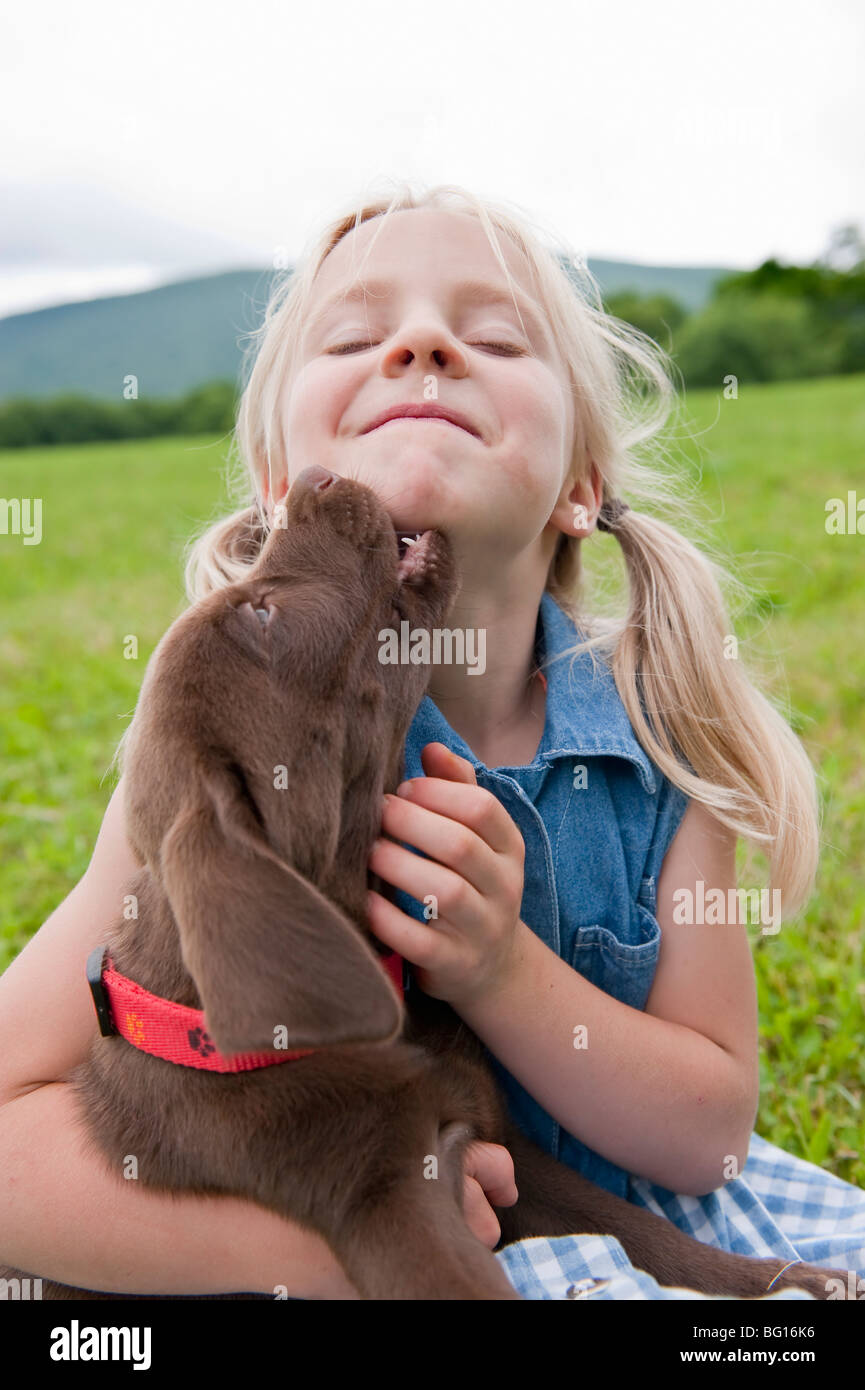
(700, 718)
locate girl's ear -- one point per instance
(576, 511)
(280, 491)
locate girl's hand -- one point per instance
(488, 1171)
(474, 876)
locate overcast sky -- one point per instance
(676, 132)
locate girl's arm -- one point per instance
(670, 1093)
(64, 1214)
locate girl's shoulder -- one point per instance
(626, 801)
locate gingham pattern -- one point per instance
(780, 1205)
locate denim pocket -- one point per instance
(619, 968)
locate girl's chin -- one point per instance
(411, 459)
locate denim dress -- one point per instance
(598, 817)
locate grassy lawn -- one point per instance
(115, 518)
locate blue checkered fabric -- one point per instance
(780, 1205)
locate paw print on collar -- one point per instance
(199, 1041)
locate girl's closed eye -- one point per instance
(510, 348)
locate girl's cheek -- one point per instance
(317, 398)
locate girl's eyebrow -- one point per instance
(466, 291)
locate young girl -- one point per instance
(571, 804)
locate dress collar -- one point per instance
(584, 711)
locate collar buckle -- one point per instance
(95, 967)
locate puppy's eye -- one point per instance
(262, 614)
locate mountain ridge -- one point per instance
(176, 336)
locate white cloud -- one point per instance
(677, 132)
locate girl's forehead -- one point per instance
(431, 245)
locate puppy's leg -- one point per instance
(409, 1239)
(556, 1201)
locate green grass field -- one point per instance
(115, 518)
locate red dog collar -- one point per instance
(175, 1032)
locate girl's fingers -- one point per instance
(446, 842)
(421, 945)
(471, 805)
(439, 761)
(420, 877)
(493, 1167)
(479, 1215)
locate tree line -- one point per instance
(775, 323)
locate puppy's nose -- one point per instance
(315, 477)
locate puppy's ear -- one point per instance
(265, 948)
